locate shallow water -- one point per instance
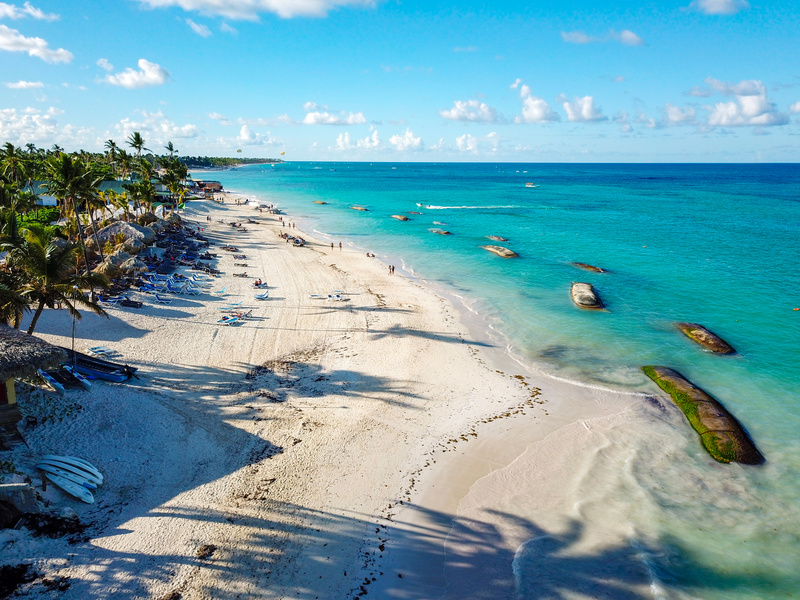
(713, 244)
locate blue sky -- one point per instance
(683, 81)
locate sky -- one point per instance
(397, 80)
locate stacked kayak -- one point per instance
(75, 476)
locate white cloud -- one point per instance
(24, 85)
(467, 143)
(719, 7)
(516, 83)
(248, 137)
(534, 109)
(249, 10)
(626, 37)
(199, 29)
(749, 107)
(582, 110)
(371, 142)
(406, 141)
(9, 11)
(223, 120)
(148, 74)
(674, 115)
(28, 125)
(104, 64)
(12, 40)
(795, 108)
(225, 28)
(470, 110)
(621, 119)
(156, 129)
(314, 116)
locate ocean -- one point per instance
(717, 245)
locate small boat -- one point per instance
(85, 383)
(530, 185)
(99, 368)
(51, 381)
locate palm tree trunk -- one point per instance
(83, 240)
(94, 235)
(36, 316)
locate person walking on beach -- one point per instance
(331, 245)
(340, 246)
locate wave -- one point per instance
(433, 207)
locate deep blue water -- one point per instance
(713, 244)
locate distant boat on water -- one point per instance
(531, 185)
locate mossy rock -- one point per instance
(588, 267)
(707, 339)
(721, 434)
(500, 251)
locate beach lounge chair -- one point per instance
(100, 351)
(227, 320)
(262, 296)
(219, 292)
(234, 304)
(162, 299)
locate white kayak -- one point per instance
(72, 488)
(79, 479)
(73, 465)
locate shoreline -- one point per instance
(400, 343)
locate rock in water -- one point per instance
(584, 295)
(592, 268)
(722, 435)
(441, 232)
(361, 208)
(319, 202)
(400, 217)
(500, 251)
(707, 339)
(497, 238)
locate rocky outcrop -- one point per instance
(721, 434)
(400, 217)
(704, 337)
(585, 296)
(586, 267)
(496, 238)
(361, 208)
(319, 202)
(500, 251)
(441, 232)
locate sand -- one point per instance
(320, 449)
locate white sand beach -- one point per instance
(320, 449)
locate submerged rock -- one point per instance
(721, 434)
(704, 337)
(414, 212)
(585, 296)
(587, 267)
(496, 238)
(441, 232)
(500, 251)
(400, 217)
(361, 208)
(319, 202)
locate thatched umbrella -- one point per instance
(109, 269)
(133, 265)
(119, 256)
(22, 354)
(133, 246)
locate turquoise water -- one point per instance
(713, 244)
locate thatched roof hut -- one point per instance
(21, 354)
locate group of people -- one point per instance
(391, 269)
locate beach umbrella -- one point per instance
(133, 265)
(109, 269)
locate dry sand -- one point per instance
(318, 450)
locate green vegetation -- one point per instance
(216, 162)
(46, 265)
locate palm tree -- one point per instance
(135, 140)
(48, 271)
(170, 148)
(70, 181)
(13, 164)
(12, 303)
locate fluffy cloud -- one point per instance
(249, 10)
(156, 126)
(29, 125)
(371, 142)
(12, 40)
(470, 110)
(534, 109)
(315, 116)
(719, 7)
(406, 141)
(750, 105)
(200, 30)
(467, 143)
(248, 137)
(674, 115)
(223, 120)
(24, 85)
(795, 108)
(104, 64)
(9, 11)
(582, 110)
(147, 75)
(626, 37)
